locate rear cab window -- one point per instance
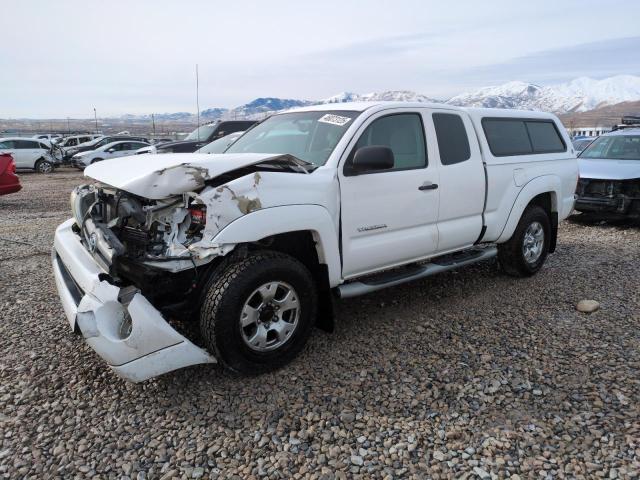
(522, 136)
(451, 134)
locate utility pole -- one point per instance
(153, 122)
(198, 100)
(95, 116)
(68, 127)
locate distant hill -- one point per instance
(579, 95)
(608, 115)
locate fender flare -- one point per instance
(289, 218)
(536, 186)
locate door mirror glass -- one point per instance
(373, 158)
(111, 150)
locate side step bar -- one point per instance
(415, 272)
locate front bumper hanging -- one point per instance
(120, 324)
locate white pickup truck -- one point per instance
(321, 202)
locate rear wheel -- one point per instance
(43, 166)
(258, 312)
(527, 249)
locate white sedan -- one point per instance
(29, 153)
(110, 150)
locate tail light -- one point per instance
(198, 215)
(12, 167)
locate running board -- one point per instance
(415, 272)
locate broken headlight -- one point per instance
(82, 198)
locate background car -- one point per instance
(110, 150)
(69, 145)
(29, 153)
(102, 141)
(47, 136)
(205, 134)
(579, 144)
(221, 144)
(609, 183)
(9, 181)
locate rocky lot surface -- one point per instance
(470, 374)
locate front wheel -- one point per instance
(527, 249)
(258, 312)
(44, 166)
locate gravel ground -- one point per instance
(467, 374)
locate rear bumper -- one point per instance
(12, 188)
(120, 324)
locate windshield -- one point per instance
(221, 144)
(309, 136)
(201, 133)
(614, 147)
(98, 142)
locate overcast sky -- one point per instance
(62, 58)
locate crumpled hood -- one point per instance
(609, 169)
(162, 176)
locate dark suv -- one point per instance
(205, 134)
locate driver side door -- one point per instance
(389, 217)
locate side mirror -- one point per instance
(373, 158)
(111, 150)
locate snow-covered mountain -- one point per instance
(213, 113)
(598, 93)
(389, 96)
(260, 106)
(579, 95)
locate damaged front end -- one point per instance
(130, 268)
(616, 198)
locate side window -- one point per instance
(453, 142)
(7, 144)
(545, 137)
(72, 142)
(25, 144)
(403, 134)
(44, 146)
(510, 136)
(507, 136)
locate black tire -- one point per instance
(511, 253)
(96, 160)
(43, 166)
(225, 296)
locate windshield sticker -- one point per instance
(334, 119)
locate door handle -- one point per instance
(428, 186)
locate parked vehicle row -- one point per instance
(317, 202)
(200, 137)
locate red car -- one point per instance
(9, 181)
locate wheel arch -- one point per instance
(306, 232)
(39, 160)
(541, 191)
